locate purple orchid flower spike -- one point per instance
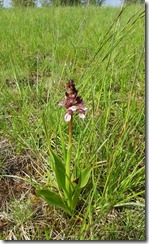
(73, 102)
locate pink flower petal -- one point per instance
(84, 109)
(69, 111)
(67, 117)
(82, 116)
(73, 108)
(62, 103)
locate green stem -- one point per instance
(68, 163)
(70, 132)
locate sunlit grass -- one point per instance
(102, 49)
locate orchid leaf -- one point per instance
(52, 198)
(76, 197)
(84, 177)
(59, 171)
(81, 182)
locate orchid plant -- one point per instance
(66, 195)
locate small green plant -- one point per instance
(68, 188)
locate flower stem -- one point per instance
(68, 163)
(70, 132)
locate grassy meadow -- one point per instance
(102, 50)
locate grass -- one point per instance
(103, 51)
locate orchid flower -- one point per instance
(73, 102)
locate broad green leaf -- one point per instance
(84, 177)
(75, 197)
(59, 171)
(52, 198)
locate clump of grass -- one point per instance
(40, 50)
